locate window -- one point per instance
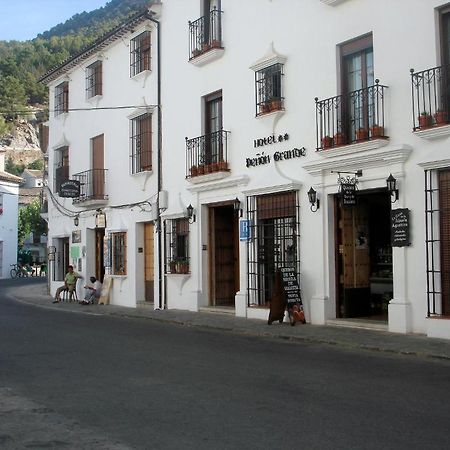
(94, 79)
(268, 85)
(119, 253)
(140, 53)
(141, 143)
(62, 98)
(1, 204)
(177, 245)
(61, 166)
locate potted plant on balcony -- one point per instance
(424, 120)
(194, 171)
(264, 108)
(275, 104)
(376, 131)
(214, 167)
(362, 134)
(173, 266)
(201, 169)
(215, 43)
(339, 139)
(223, 166)
(440, 117)
(182, 266)
(327, 142)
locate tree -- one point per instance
(12, 167)
(12, 95)
(3, 126)
(30, 221)
(38, 164)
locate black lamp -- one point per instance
(391, 184)
(237, 206)
(76, 221)
(315, 202)
(190, 213)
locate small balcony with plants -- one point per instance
(352, 118)
(178, 265)
(93, 190)
(205, 38)
(207, 155)
(431, 101)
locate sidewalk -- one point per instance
(350, 338)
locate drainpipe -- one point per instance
(159, 224)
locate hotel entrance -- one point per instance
(363, 256)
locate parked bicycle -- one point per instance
(17, 271)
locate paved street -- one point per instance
(76, 377)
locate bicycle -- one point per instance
(17, 271)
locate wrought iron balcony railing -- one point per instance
(349, 118)
(205, 33)
(430, 97)
(207, 154)
(92, 185)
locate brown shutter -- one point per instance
(98, 174)
(146, 142)
(276, 205)
(444, 207)
(43, 137)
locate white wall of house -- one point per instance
(9, 197)
(109, 114)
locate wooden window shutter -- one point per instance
(276, 205)
(146, 142)
(444, 207)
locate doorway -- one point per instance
(223, 255)
(363, 256)
(99, 254)
(149, 262)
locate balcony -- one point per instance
(431, 100)
(207, 154)
(351, 118)
(92, 187)
(205, 38)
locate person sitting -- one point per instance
(70, 284)
(92, 292)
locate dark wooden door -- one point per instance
(224, 256)
(99, 253)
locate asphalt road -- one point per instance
(85, 381)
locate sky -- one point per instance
(22, 20)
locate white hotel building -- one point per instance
(254, 105)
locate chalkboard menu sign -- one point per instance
(400, 227)
(290, 286)
(348, 194)
(69, 189)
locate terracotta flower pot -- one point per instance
(440, 117)
(201, 170)
(424, 121)
(264, 108)
(339, 139)
(275, 105)
(327, 142)
(362, 134)
(223, 166)
(377, 131)
(194, 171)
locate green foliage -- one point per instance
(38, 164)
(23, 63)
(4, 128)
(15, 169)
(30, 221)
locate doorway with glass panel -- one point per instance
(357, 81)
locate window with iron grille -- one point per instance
(268, 85)
(62, 98)
(119, 253)
(94, 82)
(141, 143)
(1, 204)
(437, 228)
(61, 166)
(140, 53)
(274, 236)
(177, 245)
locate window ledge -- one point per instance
(353, 148)
(95, 98)
(207, 57)
(434, 132)
(144, 74)
(208, 177)
(275, 114)
(332, 2)
(142, 172)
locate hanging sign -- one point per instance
(400, 227)
(348, 194)
(69, 189)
